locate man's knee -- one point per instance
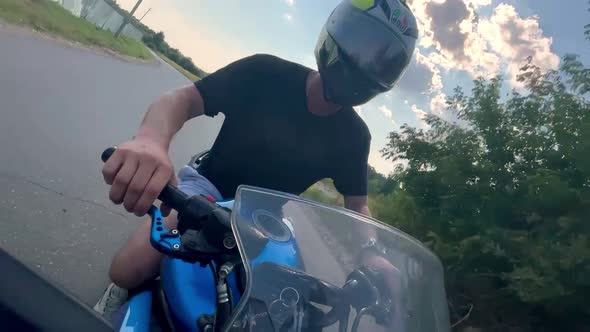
(137, 261)
(124, 278)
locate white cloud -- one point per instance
(517, 38)
(421, 77)
(436, 79)
(423, 20)
(462, 40)
(453, 29)
(290, 2)
(420, 115)
(438, 103)
(386, 111)
(480, 3)
(288, 17)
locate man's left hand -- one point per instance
(392, 282)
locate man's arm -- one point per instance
(137, 172)
(166, 116)
(358, 204)
(140, 168)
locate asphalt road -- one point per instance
(60, 106)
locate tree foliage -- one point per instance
(157, 42)
(503, 198)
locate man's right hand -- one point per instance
(137, 172)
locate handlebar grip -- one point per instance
(173, 197)
(106, 154)
(170, 195)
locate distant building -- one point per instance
(104, 13)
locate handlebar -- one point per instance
(209, 225)
(361, 292)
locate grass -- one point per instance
(183, 71)
(48, 16)
(324, 192)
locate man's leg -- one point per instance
(137, 262)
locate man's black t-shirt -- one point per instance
(269, 139)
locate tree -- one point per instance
(379, 184)
(503, 199)
(157, 41)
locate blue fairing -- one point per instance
(135, 315)
(280, 253)
(190, 291)
(190, 288)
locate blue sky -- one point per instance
(460, 39)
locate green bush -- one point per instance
(157, 42)
(503, 199)
(325, 193)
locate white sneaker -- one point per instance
(112, 299)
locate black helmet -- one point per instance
(364, 49)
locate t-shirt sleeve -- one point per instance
(233, 86)
(350, 178)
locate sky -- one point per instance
(459, 41)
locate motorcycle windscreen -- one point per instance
(299, 255)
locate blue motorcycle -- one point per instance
(270, 261)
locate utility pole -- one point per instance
(145, 14)
(127, 19)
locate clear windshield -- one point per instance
(305, 271)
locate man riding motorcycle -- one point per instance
(286, 127)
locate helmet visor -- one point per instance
(375, 48)
(344, 82)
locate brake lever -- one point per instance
(166, 241)
(191, 245)
(204, 228)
